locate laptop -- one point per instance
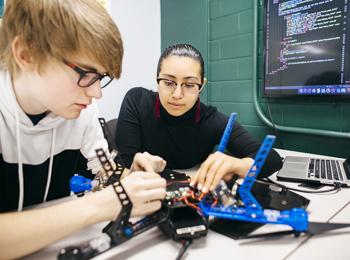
(315, 170)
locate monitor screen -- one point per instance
(306, 48)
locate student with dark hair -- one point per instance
(55, 56)
(175, 125)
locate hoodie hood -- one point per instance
(21, 142)
(82, 133)
(31, 135)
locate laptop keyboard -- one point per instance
(325, 169)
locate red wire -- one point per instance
(171, 182)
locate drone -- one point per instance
(183, 202)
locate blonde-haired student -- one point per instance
(55, 56)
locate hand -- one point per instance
(147, 162)
(219, 166)
(145, 190)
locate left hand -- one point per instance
(148, 163)
(219, 166)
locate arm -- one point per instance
(25, 232)
(28, 231)
(129, 128)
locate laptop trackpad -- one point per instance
(294, 167)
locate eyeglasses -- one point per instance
(87, 78)
(189, 88)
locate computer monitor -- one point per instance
(306, 50)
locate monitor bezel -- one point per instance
(279, 95)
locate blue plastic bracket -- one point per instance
(245, 189)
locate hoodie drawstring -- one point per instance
(20, 165)
(48, 182)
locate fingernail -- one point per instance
(191, 183)
(199, 186)
(212, 187)
(205, 190)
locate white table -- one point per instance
(334, 207)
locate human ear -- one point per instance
(22, 55)
(204, 82)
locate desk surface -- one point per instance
(333, 207)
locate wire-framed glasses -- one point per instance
(189, 88)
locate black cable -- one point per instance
(183, 249)
(274, 126)
(337, 187)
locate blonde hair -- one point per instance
(58, 28)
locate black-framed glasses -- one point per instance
(87, 77)
(190, 88)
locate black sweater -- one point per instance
(180, 141)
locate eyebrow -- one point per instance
(188, 77)
(191, 77)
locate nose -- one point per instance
(94, 90)
(178, 93)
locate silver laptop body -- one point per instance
(319, 170)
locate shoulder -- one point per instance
(139, 93)
(216, 121)
(211, 115)
(139, 97)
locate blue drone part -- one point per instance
(79, 184)
(252, 211)
(244, 190)
(227, 132)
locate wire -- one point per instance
(191, 204)
(179, 182)
(337, 187)
(183, 249)
(274, 125)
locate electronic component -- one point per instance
(184, 220)
(184, 223)
(185, 210)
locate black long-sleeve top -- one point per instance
(179, 140)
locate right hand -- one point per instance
(147, 162)
(145, 190)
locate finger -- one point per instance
(114, 165)
(151, 207)
(154, 194)
(200, 176)
(146, 175)
(146, 208)
(142, 163)
(155, 183)
(228, 177)
(157, 162)
(202, 172)
(160, 165)
(194, 179)
(125, 173)
(212, 172)
(218, 177)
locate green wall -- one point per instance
(184, 21)
(223, 32)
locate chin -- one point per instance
(177, 113)
(70, 115)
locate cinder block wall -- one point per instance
(223, 31)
